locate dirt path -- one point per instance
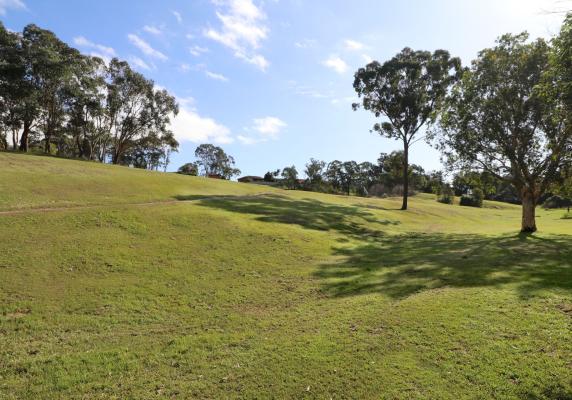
(112, 205)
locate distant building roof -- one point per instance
(250, 178)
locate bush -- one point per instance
(447, 195)
(557, 202)
(474, 200)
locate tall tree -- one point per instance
(290, 176)
(136, 110)
(406, 91)
(213, 160)
(508, 116)
(314, 171)
(50, 64)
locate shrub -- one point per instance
(447, 195)
(473, 200)
(557, 202)
(189, 169)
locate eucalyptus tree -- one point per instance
(290, 177)
(50, 64)
(406, 91)
(19, 96)
(314, 171)
(509, 116)
(87, 121)
(136, 110)
(213, 160)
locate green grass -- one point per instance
(248, 292)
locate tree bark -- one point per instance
(405, 175)
(528, 211)
(14, 139)
(24, 139)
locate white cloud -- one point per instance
(184, 67)
(99, 50)
(353, 45)
(337, 64)
(215, 76)
(177, 16)
(247, 139)
(145, 47)
(189, 126)
(269, 126)
(6, 5)
(257, 60)
(305, 43)
(198, 50)
(152, 29)
(266, 128)
(136, 61)
(242, 30)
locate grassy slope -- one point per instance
(294, 294)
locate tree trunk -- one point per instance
(24, 139)
(14, 139)
(405, 175)
(528, 211)
(48, 139)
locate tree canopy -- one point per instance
(58, 100)
(406, 91)
(509, 117)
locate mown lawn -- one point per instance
(247, 292)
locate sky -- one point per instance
(270, 81)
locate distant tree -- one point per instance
(191, 168)
(508, 116)
(406, 90)
(290, 177)
(349, 175)
(271, 176)
(390, 167)
(314, 171)
(334, 173)
(212, 160)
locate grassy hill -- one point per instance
(149, 285)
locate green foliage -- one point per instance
(475, 199)
(213, 161)
(506, 116)
(314, 171)
(191, 168)
(406, 90)
(290, 177)
(446, 195)
(54, 98)
(557, 202)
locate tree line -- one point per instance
(58, 101)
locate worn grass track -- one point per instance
(246, 292)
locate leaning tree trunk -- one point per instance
(405, 175)
(528, 211)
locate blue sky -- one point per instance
(271, 81)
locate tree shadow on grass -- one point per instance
(400, 265)
(308, 213)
